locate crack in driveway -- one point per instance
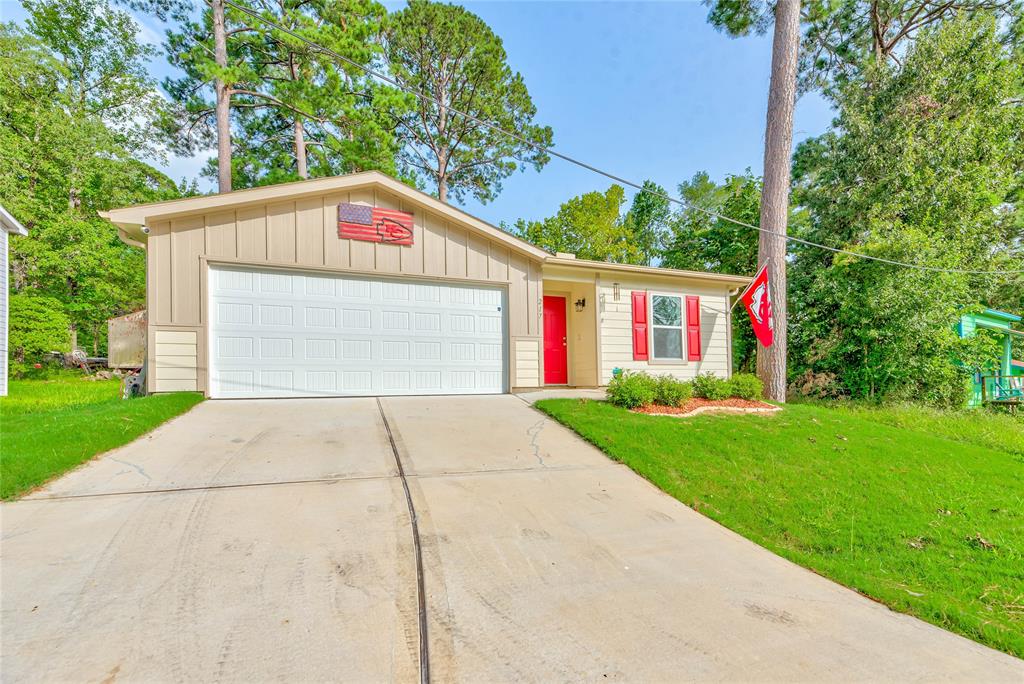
(534, 433)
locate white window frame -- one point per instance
(651, 325)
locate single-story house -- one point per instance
(8, 225)
(362, 285)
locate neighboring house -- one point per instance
(361, 285)
(1003, 380)
(8, 224)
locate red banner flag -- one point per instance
(361, 222)
(757, 299)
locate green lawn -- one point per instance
(921, 510)
(48, 427)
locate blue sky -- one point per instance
(645, 90)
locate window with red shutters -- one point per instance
(640, 326)
(693, 328)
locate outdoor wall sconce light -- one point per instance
(615, 291)
(580, 303)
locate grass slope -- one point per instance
(922, 512)
(48, 427)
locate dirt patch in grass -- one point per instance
(698, 405)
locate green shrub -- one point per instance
(671, 392)
(37, 325)
(746, 386)
(632, 390)
(710, 386)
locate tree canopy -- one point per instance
(296, 112)
(589, 226)
(76, 115)
(840, 39)
(452, 56)
(923, 167)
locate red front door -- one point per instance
(556, 370)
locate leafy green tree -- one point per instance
(102, 77)
(450, 54)
(921, 167)
(648, 220)
(66, 154)
(704, 243)
(588, 226)
(36, 325)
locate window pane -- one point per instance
(667, 310)
(668, 343)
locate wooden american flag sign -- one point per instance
(361, 222)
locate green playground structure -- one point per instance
(1003, 382)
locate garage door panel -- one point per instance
(296, 334)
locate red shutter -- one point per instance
(639, 326)
(693, 328)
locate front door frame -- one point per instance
(564, 296)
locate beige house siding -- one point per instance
(175, 364)
(303, 234)
(616, 329)
(526, 362)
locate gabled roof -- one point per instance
(11, 224)
(131, 220)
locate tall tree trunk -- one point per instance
(223, 92)
(301, 163)
(300, 149)
(442, 175)
(778, 149)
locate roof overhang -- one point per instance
(731, 281)
(11, 224)
(132, 221)
(1002, 315)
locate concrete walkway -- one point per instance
(263, 540)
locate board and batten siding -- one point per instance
(303, 233)
(616, 326)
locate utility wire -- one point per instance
(590, 167)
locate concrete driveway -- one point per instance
(266, 540)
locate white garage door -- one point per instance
(290, 334)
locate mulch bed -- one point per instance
(702, 405)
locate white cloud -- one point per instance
(147, 34)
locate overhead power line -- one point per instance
(590, 167)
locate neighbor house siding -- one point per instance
(3, 312)
(303, 234)
(617, 332)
